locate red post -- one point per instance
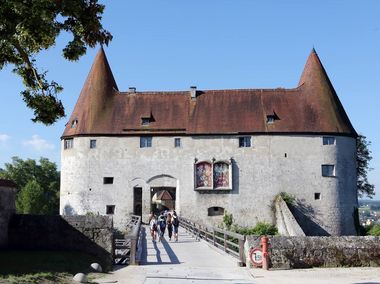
(264, 246)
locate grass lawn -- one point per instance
(43, 266)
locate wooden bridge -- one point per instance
(200, 256)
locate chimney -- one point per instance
(193, 92)
(131, 90)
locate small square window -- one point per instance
(145, 120)
(270, 119)
(177, 142)
(328, 170)
(110, 209)
(92, 143)
(108, 180)
(245, 141)
(328, 140)
(68, 143)
(317, 196)
(145, 142)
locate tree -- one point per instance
(363, 157)
(28, 27)
(31, 199)
(38, 185)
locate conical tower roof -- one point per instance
(319, 95)
(92, 110)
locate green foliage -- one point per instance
(374, 230)
(363, 157)
(288, 198)
(227, 220)
(31, 199)
(261, 228)
(38, 185)
(28, 27)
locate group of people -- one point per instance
(165, 220)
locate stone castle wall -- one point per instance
(305, 252)
(89, 234)
(274, 163)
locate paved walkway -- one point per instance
(191, 261)
(185, 261)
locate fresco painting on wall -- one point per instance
(221, 175)
(203, 174)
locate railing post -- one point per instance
(206, 233)
(213, 236)
(225, 241)
(241, 252)
(199, 232)
(133, 251)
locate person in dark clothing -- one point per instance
(175, 223)
(169, 225)
(161, 226)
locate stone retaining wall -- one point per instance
(89, 234)
(285, 221)
(304, 252)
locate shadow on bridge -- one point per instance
(156, 253)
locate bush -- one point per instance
(261, 228)
(227, 220)
(375, 230)
(288, 198)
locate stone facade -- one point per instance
(273, 164)
(306, 252)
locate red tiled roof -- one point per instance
(164, 195)
(312, 107)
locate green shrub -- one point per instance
(375, 230)
(261, 228)
(288, 198)
(227, 220)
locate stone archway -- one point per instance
(163, 193)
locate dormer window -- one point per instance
(272, 117)
(145, 120)
(74, 123)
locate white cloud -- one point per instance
(4, 137)
(38, 144)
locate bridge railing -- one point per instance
(128, 242)
(230, 242)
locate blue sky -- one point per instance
(214, 44)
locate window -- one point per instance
(108, 180)
(74, 123)
(145, 142)
(177, 142)
(328, 140)
(317, 196)
(145, 120)
(110, 209)
(245, 141)
(215, 211)
(68, 143)
(272, 117)
(328, 170)
(92, 143)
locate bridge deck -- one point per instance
(185, 261)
